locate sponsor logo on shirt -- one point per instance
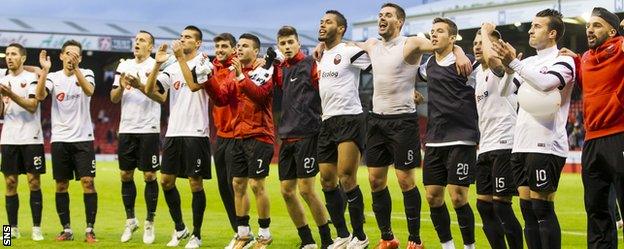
(330, 74)
(544, 69)
(337, 59)
(543, 145)
(176, 85)
(482, 96)
(60, 97)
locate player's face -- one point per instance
(440, 37)
(14, 59)
(66, 59)
(223, 50)
(142, 45)
(539, 35)
(388, 23)
(190, 41)
(288, 45)
(328, 30)
(245, 50)
(477, 48)
(598, 31)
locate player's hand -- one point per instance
(508, 70)
(318, 51)
(238, 66)
(463, 65)
(567, 52)
(506, 52)
(133, 80)
(161, 54)
(4, 90)
(178, 49)
(622, 24)
(418, 98)
(44, 60)
(487, 28)
(73, 59)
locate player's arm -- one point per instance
(87, 85)
(119, 85)
(258, 91)
(489, 55)
(418, 45)
(44, 61)
(186, 71)
(314, 76)
(558, 74)
(219, 92)
(509, 84)
(150, 86)
(30, 104)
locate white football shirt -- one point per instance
(21, 126)
(139, 114)
(71, 116)
(188, 111)
(339, 71)
(497, 113)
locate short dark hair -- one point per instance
(287, 31)
(22, 49)
(150, 35)
(555, 21)
(452, 26)
(71, 43)
(199, 36)
(400, 12)
(252, 37)
(225, 37)
(494, 33)
(341, 20)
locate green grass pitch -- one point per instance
(216, 231)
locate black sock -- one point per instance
(151, 199)
(492, 226)
(62, 208)
(441, 222)
(36, 207)
(465, 218)
(549, 228)
(242, 220)
(264, 223)
(12, 205)
(412, 202)
(305, 234)
(199, 206)
(511, 225)
(335, 208)
(382, 207)
(531, 228)
(172, 197)
(325, 233)
(91, 205)
(128, 195)
(356, 212)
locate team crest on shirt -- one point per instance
(610, 50)
(77, 83)
(176, 85)
(60, 97)
(23, 84)
(544, 69)
(337, 59)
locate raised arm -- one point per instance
(44, 61)
(489, 55)
(88, 87)
(186, 71)
(30, 104)
(150, 85)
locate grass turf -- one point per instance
(216, 231)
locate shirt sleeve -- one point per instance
(472, 78)
(360, 59)
(314, 76)
(118, 72)
(89, 76)
(32, 86)
(164, 80)
(421, 74)
(49, 84)
(557, 75)
(3, 72)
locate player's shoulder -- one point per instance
(86, 71)
(55, 74)
(564, 58)
(29, 76)
(123, 64)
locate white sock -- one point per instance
(88, 230)
(243, 231)
(448, 245)
(67, 230)
(471, 246)
(264, 232)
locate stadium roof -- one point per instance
(472, 13)
(106, 35)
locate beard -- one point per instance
(598, 42)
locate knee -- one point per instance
(126, 176)
(239, 186)
(288, 194)
(167, 183)
(149, 176)
(458, 199)
(62, 186)
(376, 184)
(434, 200)
(257, 187)
(406, 184)
(306, 193)
(11, 184)
(87, 184)
(34, 184)
(328, 183)
(347, 180)
(196, 184)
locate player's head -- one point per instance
(288, 41)
(225, 45)
(602, 25)
(443, 33)
(332, 27)
(191, 39)
(477, 48)
(390, 20)
(15, 56)
(70, 47)
(143, 44)
(546, 29)
(247, 48)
